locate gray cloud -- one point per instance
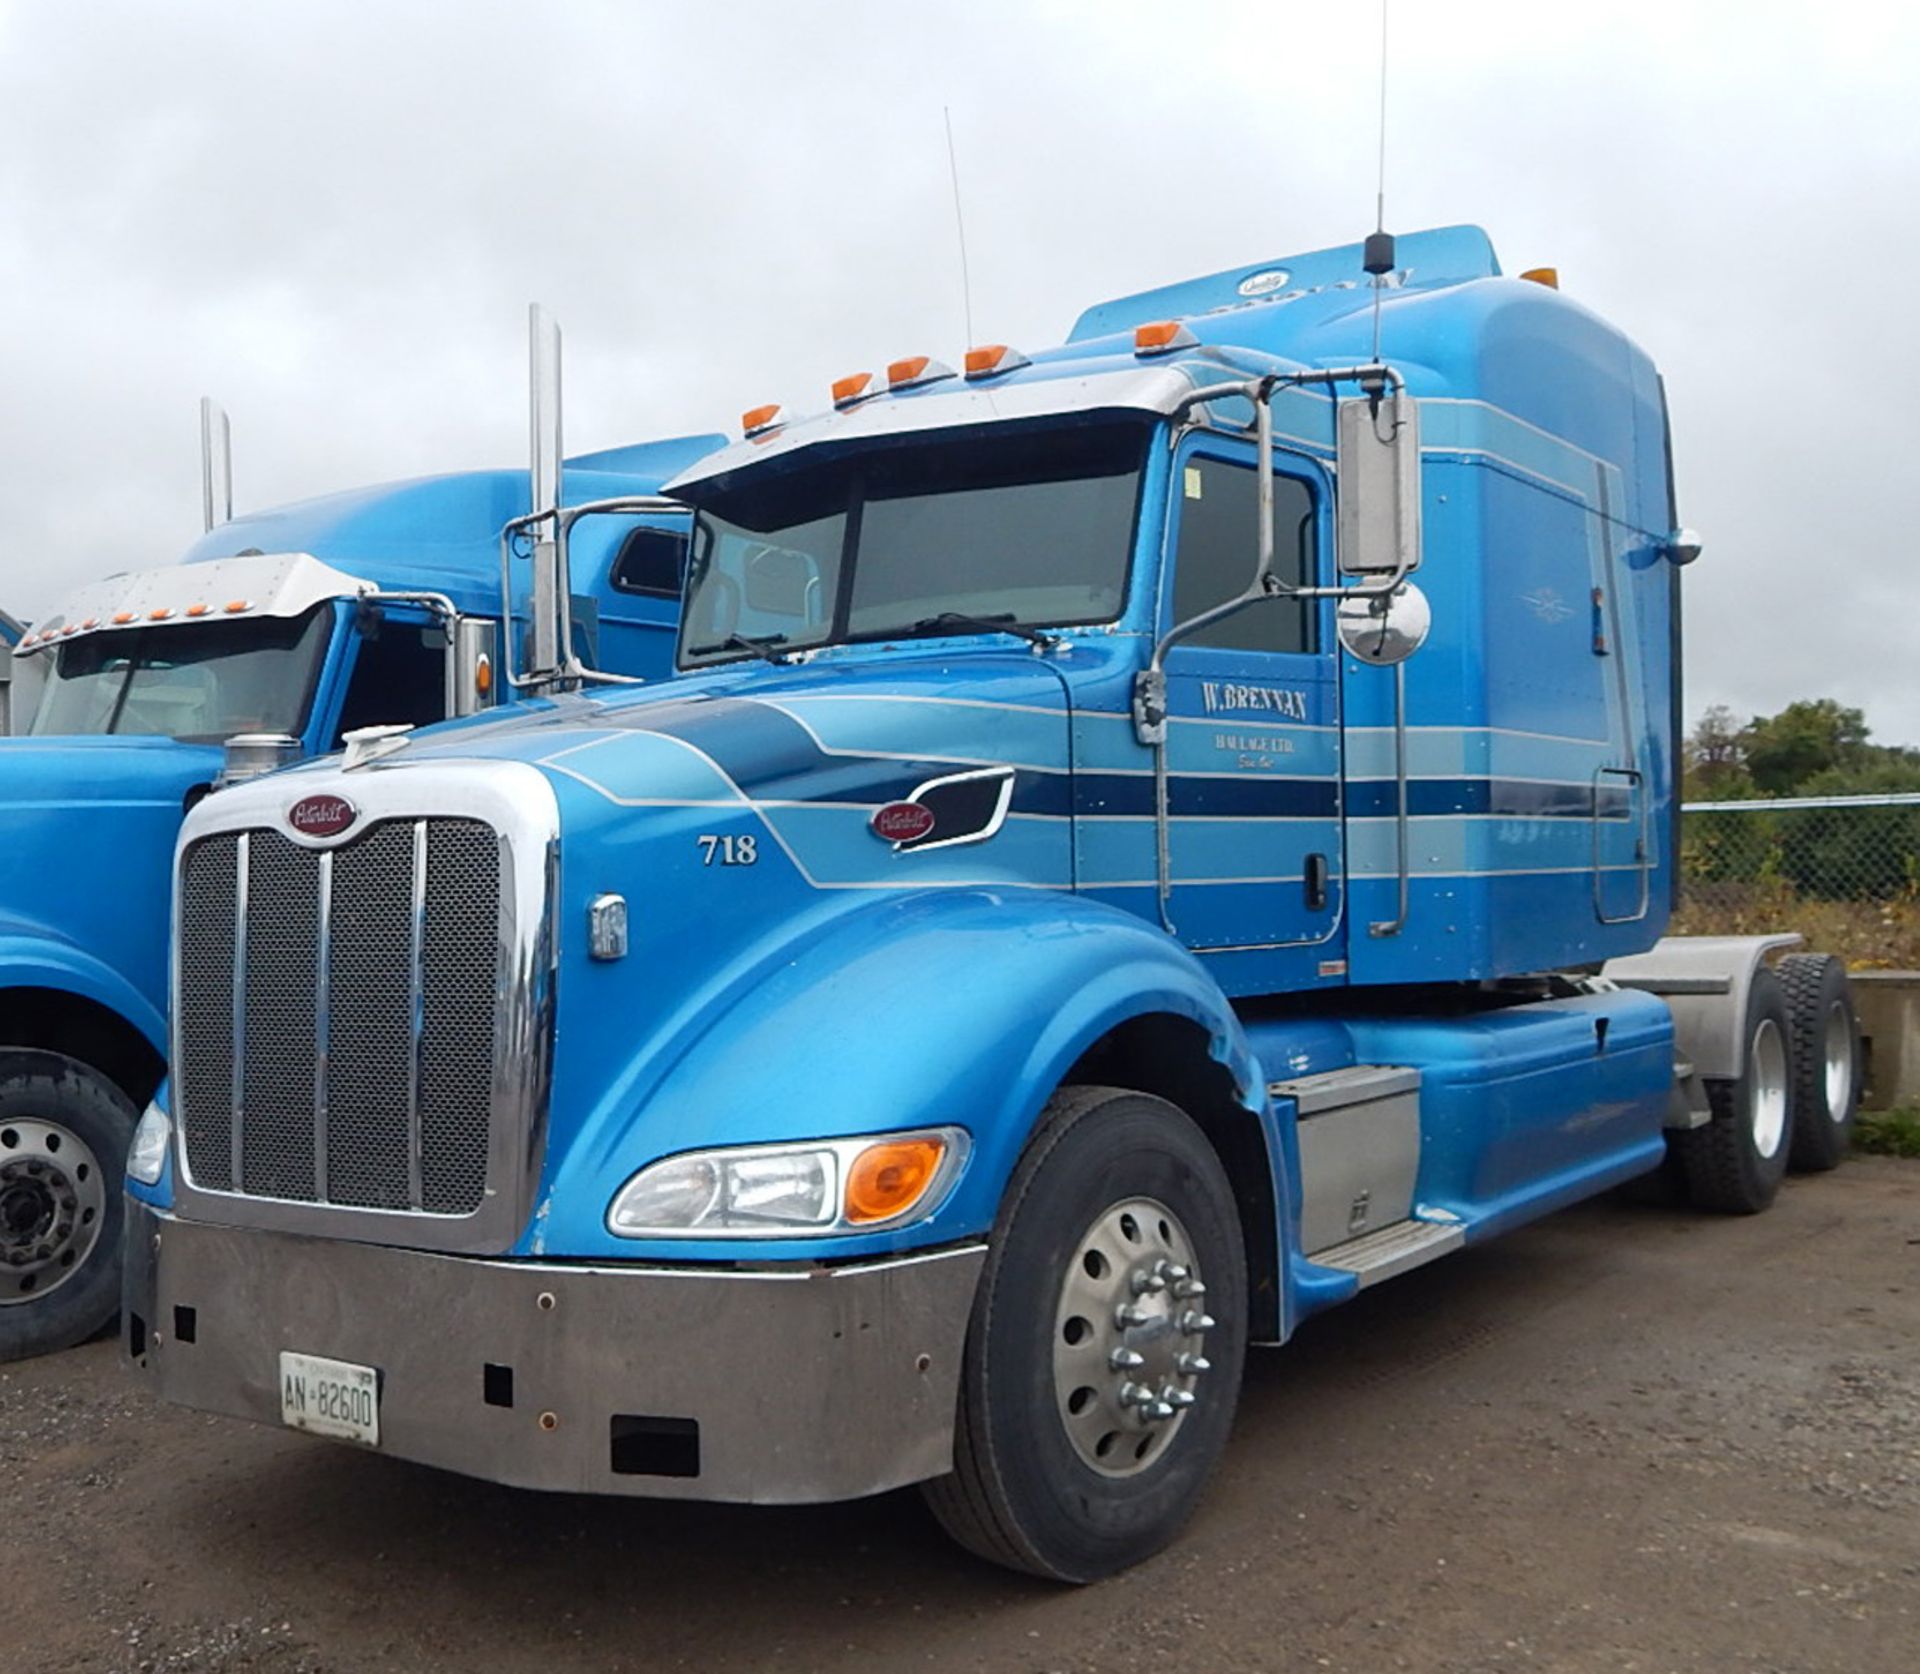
(332, 216)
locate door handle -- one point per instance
(1316, 883)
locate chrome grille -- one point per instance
(203, 1076)
(338, 1013)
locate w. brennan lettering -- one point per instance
(1281, 700)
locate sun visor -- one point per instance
(1157, 391)
(283, 584)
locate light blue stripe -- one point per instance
(1455, 843)
(903, 725)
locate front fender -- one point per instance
(964, 1006)
(32, 956)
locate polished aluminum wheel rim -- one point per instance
(1128, 1337)
(53, 1199)
(1839, 1051)
(1767, 1079)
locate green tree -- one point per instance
(1782, 752)
(1714, 758)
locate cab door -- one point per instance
(1253, 829)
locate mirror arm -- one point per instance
(563, 521)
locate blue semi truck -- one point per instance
(11, 696)
(276, 636)
(1144, 841)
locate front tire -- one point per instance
(1104, 1355)
(1735, 1164)
(64, 1130)
(1826, 1059)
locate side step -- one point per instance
(1393, 1250)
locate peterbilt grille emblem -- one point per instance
(322, 816)
(902, 822)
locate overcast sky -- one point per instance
(331, 216)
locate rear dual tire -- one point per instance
(1826, 1059)
(1735, 1163)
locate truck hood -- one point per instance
(818, 731)
(87, 827)
(43, 774)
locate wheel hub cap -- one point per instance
(1839, 1065)
(1129, 1337)
(1768, 1081)
(52, 1201)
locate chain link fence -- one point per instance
(1844, 871)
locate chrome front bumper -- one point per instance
(778, 1387)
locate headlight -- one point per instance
(147, 1155)
(790, 1191)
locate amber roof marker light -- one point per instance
(1161, 337)
(989, 360)
(855, 386)
(915, 370)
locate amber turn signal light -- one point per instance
(888, 1179)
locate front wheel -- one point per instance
(1104, 1355)
(64, 1130)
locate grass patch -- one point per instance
(1888, 1133)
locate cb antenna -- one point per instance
(960, 226)
(1377, 255)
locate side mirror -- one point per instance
(1379, 468)
(1385, 628)
(1681, 547)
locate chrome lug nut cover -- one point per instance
(1125, 1354)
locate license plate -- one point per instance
(330, 1397)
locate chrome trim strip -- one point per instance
(994, 822)
(322, 1019)
(416, 1012)
(241, 858)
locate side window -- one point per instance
(1217, 544)
(399, 677)
(652, 562)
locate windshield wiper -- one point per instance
(762, 648)
(1001, 624)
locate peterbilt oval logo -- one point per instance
(322, 816)
(1265, 283)
(902, 822)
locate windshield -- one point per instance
(197, 682)
(1032, 527)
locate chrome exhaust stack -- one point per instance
(549, 654)
(216, 464)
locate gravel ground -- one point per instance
(1624, 1439)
